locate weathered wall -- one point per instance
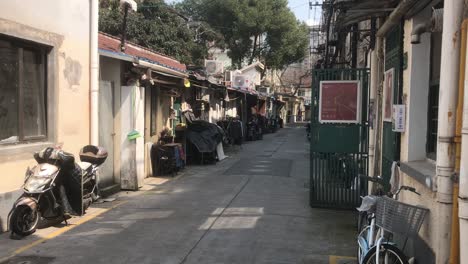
(413, 140)
(253, 75)
(65, 26)
(110, 70)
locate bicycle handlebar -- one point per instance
(373, 179)
(407, 188)
(382, 182)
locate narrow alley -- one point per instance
(253, 207)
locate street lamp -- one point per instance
(126, 5)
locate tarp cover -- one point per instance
(204, 135)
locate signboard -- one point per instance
(339, 102)
(388, 95)
(398, 118)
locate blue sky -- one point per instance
(299, 7)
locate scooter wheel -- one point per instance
(24, 220)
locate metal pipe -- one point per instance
(161, 69)
(450, 59)
(433, 25)
(328, 36)
(374, 86)
(455, 238)
(94, 73)
(463, 176)
(395, 17)
(418, 30)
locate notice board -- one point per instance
(339, 102)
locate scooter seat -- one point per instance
(86, 167)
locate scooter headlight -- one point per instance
(36, 184)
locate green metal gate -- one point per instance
(339, 152)
(390, 149)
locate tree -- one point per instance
(263, 30)
(156, 26)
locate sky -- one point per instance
(299, 7)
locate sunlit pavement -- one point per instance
(249, 208)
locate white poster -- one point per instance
(398, 118)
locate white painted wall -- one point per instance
(253, 75)
(132, 151)
(416, 91)
(416, 80)
(110, 70)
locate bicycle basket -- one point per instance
(398, 217)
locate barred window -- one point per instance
(433, 103)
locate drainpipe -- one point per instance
(455, 238)
(374, 87)
(418, 30)
(463, 180)
(395, 17)
(94, 72)
(450, 59)
(433, 25)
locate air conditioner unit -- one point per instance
(241, 81)
(214, 67)
(264, 90)
(229, 76)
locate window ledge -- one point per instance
(422, 171)
(20, 151)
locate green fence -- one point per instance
(339, 152)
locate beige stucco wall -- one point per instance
(406, 87)
(415, 87)
(66, 24)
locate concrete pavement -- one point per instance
(250, 208)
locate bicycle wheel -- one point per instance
(362, 221)
(389, 254)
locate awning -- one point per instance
(200, 86)
(116, 55)
(250, 92)
(161, 69)
(354, 11)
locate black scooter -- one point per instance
(56, 188)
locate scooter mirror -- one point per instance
(27, 174)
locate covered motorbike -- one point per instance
(254, 132)
(56, 187)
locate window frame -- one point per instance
(432, 103)
(431, 145)
(43, 51)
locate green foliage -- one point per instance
(156, 26)
(264, 30)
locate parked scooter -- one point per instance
(253, 130)
(56, 188)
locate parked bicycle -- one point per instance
(380, 218)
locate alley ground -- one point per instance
(250, 208)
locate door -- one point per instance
(106, 131)
(390, 148)
(132, 121)
(339, 150)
